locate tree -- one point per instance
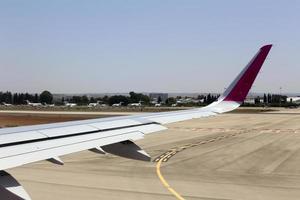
(76, 99)
(84, 100)
(118, 99)
(265, 98)
(92, 100)
(209, 99)
(15, 98)
(170, 101)
(46, 97)
(257, 100)
(105, 99)
(21, 98)
(269, 98)
(137, 97)
(6, 97)
(200, 97)
(36, 98)
(159, 99)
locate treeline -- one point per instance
(268, 99)
(208, 98)
(125, 100)
(47, 98)
(271, 99)
(201, 100)
(21, 98)
(274, 98)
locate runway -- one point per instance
(231, 156)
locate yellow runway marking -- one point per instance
(164, 182)
(169, 154)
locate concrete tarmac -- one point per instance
(231, 156)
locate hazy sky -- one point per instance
(69, 46)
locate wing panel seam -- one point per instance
(75, 134)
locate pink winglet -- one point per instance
(240, 87)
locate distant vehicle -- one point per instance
(139, 104)
(6, 104)
(33, 104)
(153, 102)
(174, 105)
(158, 105)
(67, 104)
(117, 104)
(91, 105)
(49, 105)
(135, 104)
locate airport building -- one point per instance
(251, 100)
(156, 96)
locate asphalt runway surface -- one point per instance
(231, 156)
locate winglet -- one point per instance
(239, 88)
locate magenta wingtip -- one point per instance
(242, 84)
(267, 46)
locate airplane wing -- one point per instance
(116, 135)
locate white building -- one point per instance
(293, 99)
(251, 100)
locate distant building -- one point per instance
(251, 100)
(156, 96)
(188, 100)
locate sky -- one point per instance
(97, 46)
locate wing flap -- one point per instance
(127, 149)
(69, 130)
(115, 124)
(20, 136)
(26, 153)
(150, 128)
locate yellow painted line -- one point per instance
(165, 183)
